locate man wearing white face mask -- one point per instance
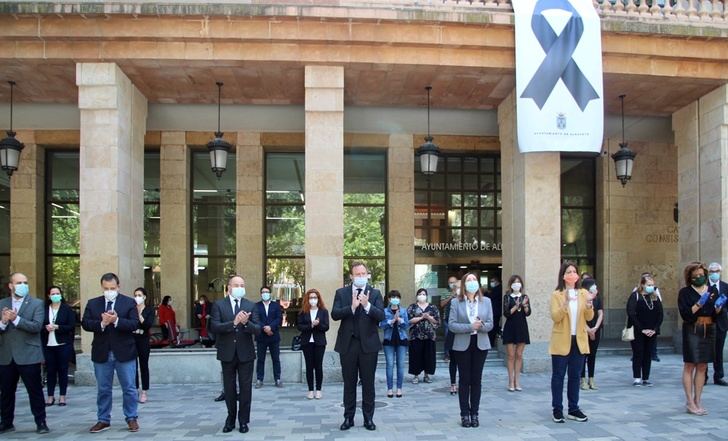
(21, 353)
(113, 318)
(360, 309)
(234, 321)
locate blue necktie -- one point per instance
(109, 306)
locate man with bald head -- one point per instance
(234, 321)
(20, 353)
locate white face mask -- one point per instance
(313, 302)
(139, 300)
(516, 287)
(422, 298)
(593, 289)
(110, 295)
(238, 292)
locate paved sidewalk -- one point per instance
(616, 411)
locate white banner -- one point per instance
(559, 91)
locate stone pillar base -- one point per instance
(536, 358)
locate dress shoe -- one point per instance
(4, 428)
(347, 424)
(369, 425)
(42, 428)
(474, 421)
(229, 425)
(279, 383)
(465, 421)
(721, 382)
(132, 425)
(220, 397)
(99, 427)
(258, 384)
(243, 428)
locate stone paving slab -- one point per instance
(617, 411)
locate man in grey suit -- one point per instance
(21, 353)
(234, 321)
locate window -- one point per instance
(459, 205)
(4, 234)
(213, 226)
(62, 223)
(365, 215)
(285, 225)
(578, 212)
(152, 273)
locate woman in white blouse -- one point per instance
(57, 336)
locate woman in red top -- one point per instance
(166, 315)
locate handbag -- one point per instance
(627, 333)
(296, 343)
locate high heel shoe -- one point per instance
(62, 401)
(53, 401)
(453, 389)
(390, 394)
(399, 393)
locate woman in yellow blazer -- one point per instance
(571, 307)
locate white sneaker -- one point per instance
(637, 382)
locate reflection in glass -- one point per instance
(153, 280)
(578, 211)
(285, 178)
(285, 230)
(64, 271)
(210, 275)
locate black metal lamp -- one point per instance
(218, 147)
(624, 158)
(10, 147)
(428, 152)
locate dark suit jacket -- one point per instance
(66, 321)
(234, 340)
(148, 315)
(117, 338)
(319, 332)
(722, 318)
(274, 319)
(368, 324)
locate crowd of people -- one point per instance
(36, 332)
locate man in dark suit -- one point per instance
(234, 321)
(360, 308)
(21, 353)
(496, 300)
(113, 318)
(271, 318)
(721, 327)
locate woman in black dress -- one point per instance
(698, 306)
(424, 318)
(516, 307)
(141, 338)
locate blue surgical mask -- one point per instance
(238, 292)
(471, 286)
(360, 282)
(714, 277)
(649, 289)
(394, 301)
(55, 298)
(265, 296)
(21, 290)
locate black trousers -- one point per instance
(642, 358)
(143, 350)
(470, 364)
(453, 367)
(56, 359)
(234, 372)
(9, 376)
(718, 360)
(314, 357)
(355, 364)
(590, 360)
(422, 356)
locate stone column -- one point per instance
(401, 215)
(531, 228)
(113, 123)
(27, 220)
(174, 222)
(701, 135)
(249, 224)
(325, 182)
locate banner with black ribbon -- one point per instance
(558, 76)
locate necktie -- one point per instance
(237, 306)
(357, 314)
(109, 306)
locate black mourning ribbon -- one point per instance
(558, 62)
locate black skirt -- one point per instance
(422, 356)
(698, 343)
